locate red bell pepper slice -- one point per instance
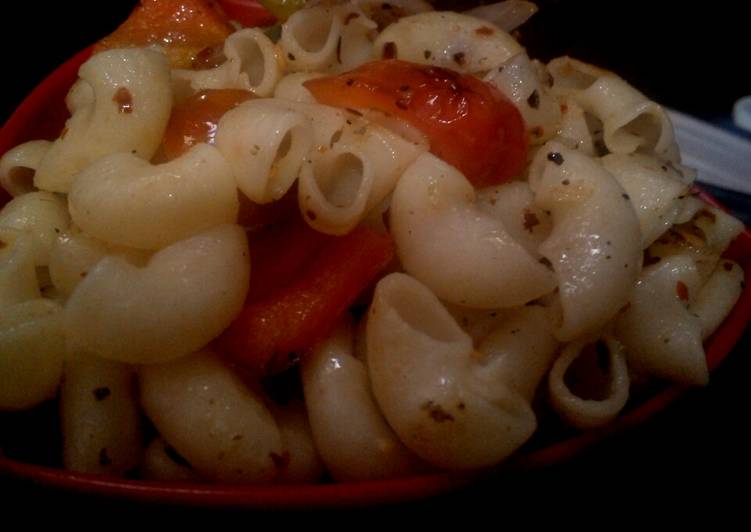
(269, 335)
(469, 123)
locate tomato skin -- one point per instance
(195, 119)
(469, 123)
(270, 333)
(249, 13)
(184, 27)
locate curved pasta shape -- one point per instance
(421, 369)
(126, 110)
(718, 296)
(630, 120)
(203, 410)
(162, 462)
(598, 388)
(354, 439)
(71, 258)
(519, 351)
(291, 87)
(18, 166)
(301, 463)
(662, 336)
(704, 237)
(571, 75)
(32, 347)
(43, 215)
(339, 188)
(446, 39)
(478, 323)
(100, 417)
(18, 278)
(654, 188)
(323, 38)
(513, 204)
(507, 14)
(252, 64)
(181, 299)
(464, 255)
(126, 201)
(595, 246)
(518, 80)
(574, 130)
(265, 143)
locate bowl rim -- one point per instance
(371, 492)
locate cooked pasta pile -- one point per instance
(587, 267)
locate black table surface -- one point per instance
(689, 460)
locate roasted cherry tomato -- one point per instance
(469, 123)
(184, 27)
(195, 119)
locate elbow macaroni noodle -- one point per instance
(594, 265)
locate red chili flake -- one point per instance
(281, 461)
(290, 56)
(310, 214)
(350, 82)
(682, 290)
(459, 58)
(537, 131)
(426, 54)
(625, 307)
(2, 244)
(564, 108)
(339, 50)
(484, 30)
(530, 220)
(124, 100)
(350, 17)
(389, 50)
(728, 266)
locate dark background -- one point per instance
(691, 459)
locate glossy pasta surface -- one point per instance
(487, 306)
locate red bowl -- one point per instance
(42, 115)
